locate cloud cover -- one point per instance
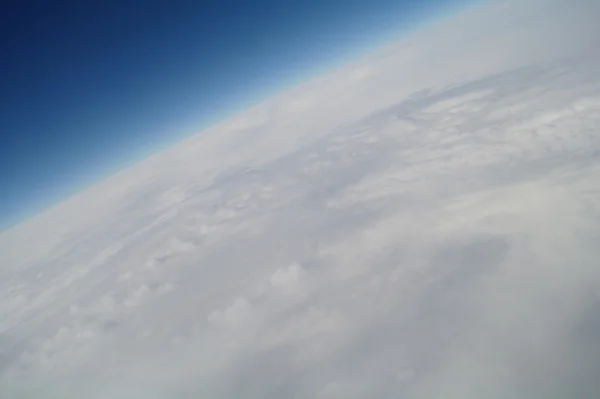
(440, 242)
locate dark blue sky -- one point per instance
(91, 86)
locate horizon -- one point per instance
(30, 199)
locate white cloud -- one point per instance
(137, 296)
(445, 246)
(236, 313)
(337, 390)
(288, 279)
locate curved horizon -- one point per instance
(88, 100)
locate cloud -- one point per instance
(444, 245)
(337, 390)
(137, 297)
(236, 313)
(288, 279)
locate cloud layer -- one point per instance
(441, 242)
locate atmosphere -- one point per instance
(301, 200)
(90, 87)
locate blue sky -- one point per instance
(91, 86)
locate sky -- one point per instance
(90, 87)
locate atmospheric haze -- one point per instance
(423, 223)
